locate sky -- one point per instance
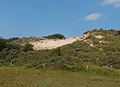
(36, 18)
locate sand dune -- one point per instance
(54, 43)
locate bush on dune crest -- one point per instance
(55, 36)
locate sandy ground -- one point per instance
(51, 43)
(99, 36)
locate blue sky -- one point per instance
(21, 18)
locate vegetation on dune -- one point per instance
(2, 44)
(12, 39)
(104, 52)
(55, 36)
(28, 47)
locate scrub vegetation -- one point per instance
(92, 62)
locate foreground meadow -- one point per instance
(24, 77)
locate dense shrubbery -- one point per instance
(2, 44)
(55, 36)
(12, 39)
(72, 56)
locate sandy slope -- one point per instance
(51, 43)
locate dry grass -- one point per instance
(21, 77)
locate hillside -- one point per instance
(95, 47)
(44, 43)
(55, 43)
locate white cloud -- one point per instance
(93, 16)
(115, 3)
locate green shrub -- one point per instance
(28, 47)
(12, 39)
(55, 36)
(2, 44)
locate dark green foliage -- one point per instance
(2, 44)
(3, 54)
(55, 36)
(11, 46)
(119, 32)
(12, 39)
(57, 52)
(28, 47)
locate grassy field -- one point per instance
(24, 77)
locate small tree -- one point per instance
(28, 47)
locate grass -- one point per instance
(25, 77)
